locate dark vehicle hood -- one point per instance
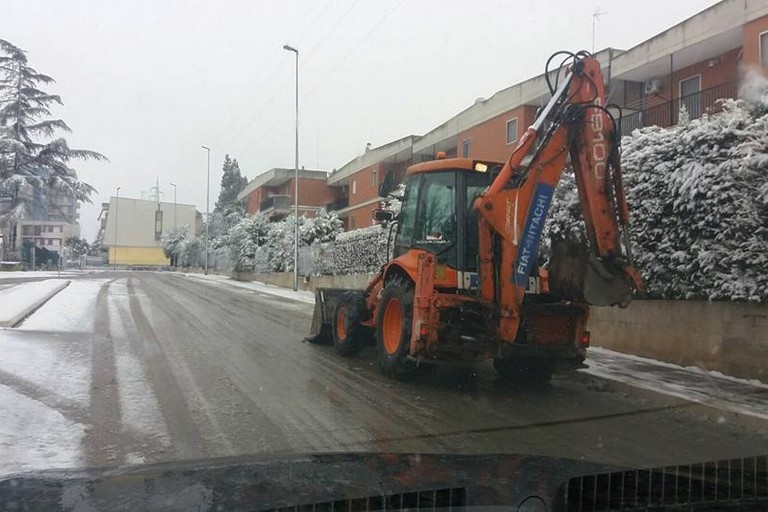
(348, 481)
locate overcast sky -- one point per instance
(147, 82)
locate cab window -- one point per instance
(435, 229)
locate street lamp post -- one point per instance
(174, 205)
(296, 179)
(207, 201)
(114, 255)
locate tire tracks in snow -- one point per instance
(103, 437)
(187, 441)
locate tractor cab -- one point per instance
(437, 214)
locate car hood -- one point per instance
(352, 481)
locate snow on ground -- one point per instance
(748, 397)
(139, 408)
(269, 289)
(71, 310)
(17, 301)
(34, 436)
(48, 362)
(33, 274)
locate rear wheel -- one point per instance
(523, 371)
(393, 325)
(349, 334)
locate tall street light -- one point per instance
(207, 201)
(117, 202)
(174, 205)
(296, 179)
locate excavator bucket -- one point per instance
(576, 274)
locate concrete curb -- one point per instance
(17, 317)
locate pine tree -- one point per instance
(34, 164)
(232, 183)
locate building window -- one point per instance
(690, 97)
(466, 147)
(56, 241)
(354, 186)
(373, 178)
(764, 49)
(351, 223)
(512, 130)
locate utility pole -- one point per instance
(207, 202)
(114, 255)
(296, 179)
(174, 205)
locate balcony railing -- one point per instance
(276, 202)
(668, 113)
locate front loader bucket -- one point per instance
(319, 331)
(326, 300)
(578, 275)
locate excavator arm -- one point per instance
(513, 210)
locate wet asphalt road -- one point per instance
(214, 370)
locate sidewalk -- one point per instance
(19, 301)
(299, 296)
(741, 396)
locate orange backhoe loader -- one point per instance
(465, 282)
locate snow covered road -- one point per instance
(146, 367)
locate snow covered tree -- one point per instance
(698, 196)
(321, 228)
(174, 242)
(243, 240)
(77, 246)
(33, 163)
(232, 183)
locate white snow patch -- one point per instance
(71, 310)
(299, 296)
(16, 301)
(49, 363)
(139, 408)
(34, 436)
(714, 389)
(605, 353)
(33, 274)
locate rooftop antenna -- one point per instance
(595, 18)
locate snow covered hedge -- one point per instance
(698, 196)
(359, 251)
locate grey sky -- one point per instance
(146, 82)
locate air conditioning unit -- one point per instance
(652, 86)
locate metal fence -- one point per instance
(668, 113)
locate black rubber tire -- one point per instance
(400, 289)
(353, 336)
(523, 371)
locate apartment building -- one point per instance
(361, 182)
(693, 65)
(50, 222)
(272, 193)
(132, 229)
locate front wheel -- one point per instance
(393, 325)
(349, 334)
